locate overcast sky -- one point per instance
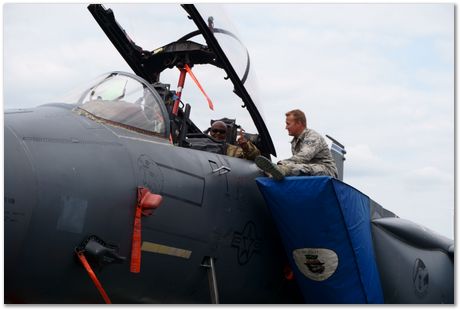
(377, 77)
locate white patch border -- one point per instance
(328, 256)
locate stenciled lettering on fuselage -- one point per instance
(246, 242)
(316, 264)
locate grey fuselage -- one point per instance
(68, 177)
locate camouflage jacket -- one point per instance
(311, 148)
(249, 152)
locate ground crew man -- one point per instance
(311, 154)
(245, 148)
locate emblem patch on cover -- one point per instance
(316, 264)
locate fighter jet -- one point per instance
(74, 169)
(115, 195)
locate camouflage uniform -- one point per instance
(311, 156)
(250, 152)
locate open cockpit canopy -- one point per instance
(223, 49)
(221, 38)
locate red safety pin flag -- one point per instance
(146, 203)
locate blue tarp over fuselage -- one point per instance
(325, 227)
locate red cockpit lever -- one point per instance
(180, 86)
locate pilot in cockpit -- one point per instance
(245, 148)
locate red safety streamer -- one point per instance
(146, 203)
(93, 277)
(189, 71)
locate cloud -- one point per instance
(428, 178)
(362, 161)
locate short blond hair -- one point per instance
(298, 116)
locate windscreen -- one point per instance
(122, 100)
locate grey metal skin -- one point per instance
(416, 265)
(68, 177)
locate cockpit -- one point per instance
(141, 103)
(124, 100)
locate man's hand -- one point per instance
(242, 141)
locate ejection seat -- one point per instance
(232, 132)
(232, 128)
(203, 141)
(338, 154)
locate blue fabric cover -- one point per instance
(325, 213)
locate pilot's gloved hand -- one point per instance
(242, 141)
